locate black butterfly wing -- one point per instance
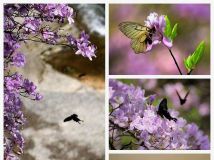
(187, 94)
(183, 100)
(163, 105)
(74, 116)
(163, 110)
(178, 95)
(68, 118)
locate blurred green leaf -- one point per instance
(174, 31)
(192, 60)
(168, 28)
(125, 139)
(192, 115)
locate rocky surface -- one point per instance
(48, 137)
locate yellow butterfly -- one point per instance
(140, 35)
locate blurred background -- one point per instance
(193, 27)
(197, 106)
(159, 157)
(67, 82)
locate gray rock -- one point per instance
(48, 137)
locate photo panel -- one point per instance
(53, 55)
(159, 39)
(159, 114)
(159, 156)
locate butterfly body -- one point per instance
(73, 117)
(163, 110)
(140, 35)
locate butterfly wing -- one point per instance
(138, 46)
(137, 33)
(133, 30)
(163, 105)
(163, 110)
(187, 94)
(68, 119)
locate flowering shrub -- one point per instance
(135, 124)
(23, 23)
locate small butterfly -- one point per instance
(182, 100)
(73, 117)
(163, 110)
(140, 35)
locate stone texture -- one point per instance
(48, 137)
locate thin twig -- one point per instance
(190, 72)
(175, 61)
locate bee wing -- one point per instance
(133, 30)
(138, 46)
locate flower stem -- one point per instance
(175, 61)
(190, 72)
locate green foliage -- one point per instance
(170, 32)
(192, 60)
(128, 139)
(168, 28)
(174, 31)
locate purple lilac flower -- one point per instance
(131, 115)
(19, 60)
(159, 23)
(59, 11)
(31, 25)
(84, 46)
(15, 87)
(10, 45)
(48, 36)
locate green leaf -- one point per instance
(168, 28)
(174, 31)
(192, 60)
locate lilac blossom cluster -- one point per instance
(31, 22)
(133, 117)
(15, 87)
(84, 45)
(23, 23)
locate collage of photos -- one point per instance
(66, 98)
